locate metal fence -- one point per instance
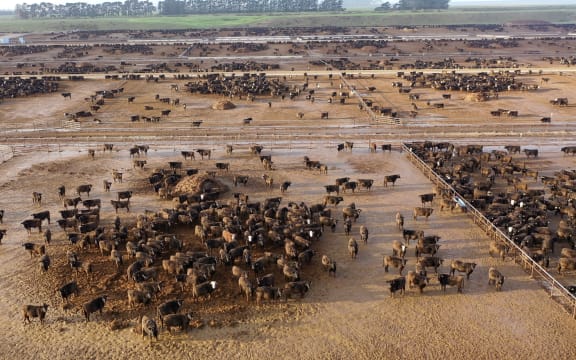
(553, 287)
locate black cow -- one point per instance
(391, 178)
(531, 152)
(43, 215)
(29, 224)
(430, 261)
(120, 204)
(68, 290)
(397, 284)
(427, 198)
(84, 189)
(94, 305)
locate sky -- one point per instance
(11, 4)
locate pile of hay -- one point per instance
(477, 97)
(223, 105)
(198, 184)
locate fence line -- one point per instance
(536, 271)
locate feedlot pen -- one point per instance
(554, 288)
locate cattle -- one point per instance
(44, 263)
(417, 279)
(430, 249)
(284, 186)
(68, 290)
(569, 150)
(223, 166)
(43, 215)
(66, 95)
(409, 234)
(245, 286)
(332, 189)
(324, 115)
(348, 145)
(546, 119)
(2, 234)
(329, 265)
(124, 195)
(365, 184)
(108, 147)
(422, 211)
(400, 221)
(84, 189)
(352, 248)
(565, 264)
(430, 261)
(394, 261)
(349, 185)
(95, 305)
(167, 308)
(447, 279)
(203, 289)
(267, 293)
(512, 149)
(304, 257)
(71, 202)
(498, 249)
(350, 212)
(531, 152)
(332, 200)
(90, 203)
(138, 297)
(61, 192)
(204, 152)
(268, 180)
(296, 287)
(397, 284)
(386, 147)
(399, 249)
(187, 154)
(107, 185)
(495, 278)
(120, 204)
(391, 179)
(461, 266)
(300, 115)
(559, 101)
(117, 176)
(29, 224)
(181, 321)
(65, 224)
(427, 198)
(340, 147)
(149, 328)
(256, 149)
(37, 198)
(35, 311)
(364, 234)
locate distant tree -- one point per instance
(422, 4)
(384, 7)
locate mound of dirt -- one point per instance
(223, 105)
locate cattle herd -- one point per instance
(264, 250)
(209, 245)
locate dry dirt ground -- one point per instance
(351, 315)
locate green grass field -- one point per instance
(453, 16)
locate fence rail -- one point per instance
(554, 288)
